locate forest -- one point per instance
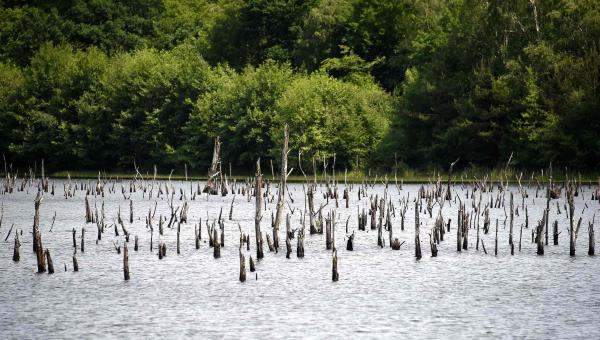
(381, 84)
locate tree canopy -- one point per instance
(97, 84)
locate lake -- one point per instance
(381, 293)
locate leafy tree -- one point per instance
(240, 109)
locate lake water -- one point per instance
(381, 293)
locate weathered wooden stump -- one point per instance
(82, 240)
(216, 245)
(258, 215)
(17, 249)
(242, 267)
(350, 243)
(270, 243)
(37, 236)
(591, 239)
(50, 263)
(125, 262)
(335, 276)
(252, 267)
(75, 264)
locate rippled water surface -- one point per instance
(380, 293)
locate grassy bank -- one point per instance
(407, 176)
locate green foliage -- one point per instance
(23, 30)
(329, 117)
(140, 105)
(239, 107)
(253, 31)
(101, 84)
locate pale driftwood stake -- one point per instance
(459, 228)
(270, 243)
(211, 184)
(448, 193)
(282, 186)
(300, 244)
(433, 246)
(573, 231)
(258, 216)
(539, 236)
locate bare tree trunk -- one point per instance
(417, 239)
(49, 261)
(258, 216)
(211, 184)
(37, 236)
(125, 262)
(592, 239)
(16, 251)
(335, 276)
(242, 266)
(282, 186)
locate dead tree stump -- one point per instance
(242, 267)
(82, 240)
(125, 262)
(592, 240)
(37, 236)
(258, 216)
(417, 239)
(17, 248)
(50, 263)
(350, 243)
(282, 186)
(216, 245)
(335, 276)
(252, 267)
(74, 239)
(211, 183)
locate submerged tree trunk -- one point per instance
(37, 236)
(212, 186)
(258, 215)
(282, 187)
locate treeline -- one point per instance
(383, 83)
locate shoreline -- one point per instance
(408, 177)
